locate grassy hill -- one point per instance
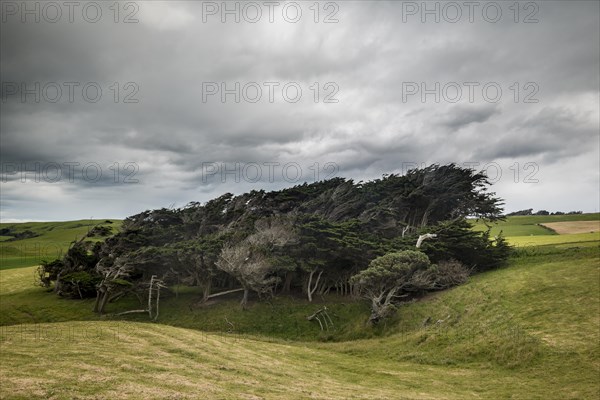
(527, 230)
(527, 331)
(529, 225)
(54, 238)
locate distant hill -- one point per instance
(49, 239)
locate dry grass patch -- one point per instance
(571, 227)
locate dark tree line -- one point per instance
(529, 211)
(312, 238)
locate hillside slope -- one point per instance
(51, 240)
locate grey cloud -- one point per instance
(458, 117)
(170, 133)
(545, 133)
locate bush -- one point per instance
(77, 285)
(391, 277)
(48, 272)
(449, 273)
(100, 231)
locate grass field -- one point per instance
(530, 230)
(54, 239)
(142, 361)
(529, 225)
(527, 331)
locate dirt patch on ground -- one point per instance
(565, 228)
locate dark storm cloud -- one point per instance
(458, 117)
(172, 136)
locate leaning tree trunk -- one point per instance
(206, 290)
(103, 301)
(312, 288)
(379, 312)
(376, 311)
(99, 293)
(244, 301)
(57, 283)
(102, 294)
(382, 305)
(288, 282)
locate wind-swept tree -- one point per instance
(254, 261)
(131, 272)
(328, 253)
(391, 277)
(341, 225)
(197, 260)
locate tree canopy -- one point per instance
(310, 237)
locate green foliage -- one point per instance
(457, 240)
(337, 247)
(79, 284)
(100, 230)
(121, 282)
(392, 269)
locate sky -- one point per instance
(109, 109)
